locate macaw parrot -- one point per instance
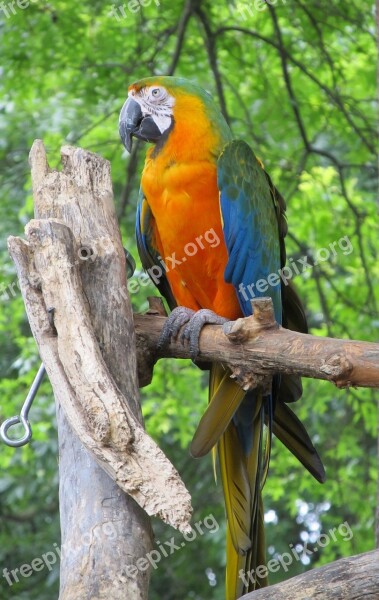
(197, 179)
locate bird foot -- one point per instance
(193, 322)
(175, 321)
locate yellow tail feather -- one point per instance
(225, 396)
(241, 477)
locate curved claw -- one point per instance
(193, 329)
(179, 317)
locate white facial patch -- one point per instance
(156, 102)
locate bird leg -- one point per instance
(193, 322)
(180, 316)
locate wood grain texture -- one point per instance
(73, 261)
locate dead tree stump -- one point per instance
(73, 278)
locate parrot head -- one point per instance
(156, 104)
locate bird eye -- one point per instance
(157, 93)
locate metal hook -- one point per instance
(23, 418)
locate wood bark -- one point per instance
(71, 269)
(256, 347)
(353, 578)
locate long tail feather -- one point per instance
(243, 458)
(244, 446)
(237, 491)
(225, 398)
(292, 433)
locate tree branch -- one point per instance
(332, 94)
(256, 347)
(350, 578)
(210, 44)
(180, 34)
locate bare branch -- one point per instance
(182, 26)
(256, 347)
(210, 44)
(332, 94)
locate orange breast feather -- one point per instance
(184, 200)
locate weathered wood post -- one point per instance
(74, 264)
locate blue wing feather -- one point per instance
(250, 224)
(251, 232)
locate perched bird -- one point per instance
(200, 186)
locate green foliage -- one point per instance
(296, 81)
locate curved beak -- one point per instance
(133, 123)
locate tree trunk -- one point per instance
(71, 271)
